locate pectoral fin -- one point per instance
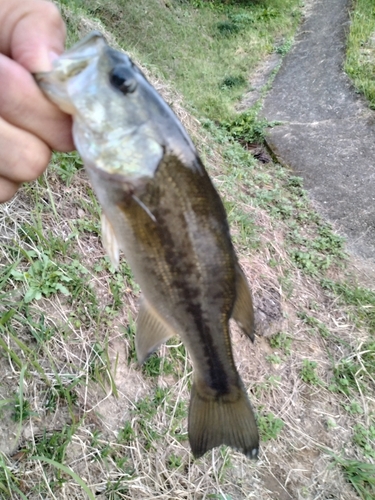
(227, 419)
(243, 311)
(109, 241)
(152, 331)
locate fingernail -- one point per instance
(53, 56)
(45, 60)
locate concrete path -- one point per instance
(328, 132)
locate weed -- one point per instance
(43, 278)
(116, 490)
(365, 438)
(281, 341)
(227, 28)
(66, 165)
(295, 184)
(351, 373)
(331, 424)
(38, 325)
(160, 395)
(285, 47)
(345, 377)
(360, 475)
(235, 23)
(174, 461)
(97, 362)
(316, 324)
(145, 411)
(60, 393)
(242, 18)
(269, 426)
(21, 408)
(155, 366)
(177, 354)
(117, 285)
(329, 242)
(180, 410)
(310, 262)
(122, 463)
(82, 297)
(126, 434)
(286, 283)
(59, 467)
(268, 13)
(53, 445)
(129, 334)
(274, 359)
(9, 482)
(232, 81)
(146, 407)
(353, 408)
(248, 233)
(361, 298)
(246, 127)
(32, 234)
(271, 382)
(88, 225)
(102, 449)
(308, 372)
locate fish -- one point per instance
(160, 207)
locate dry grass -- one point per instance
(122, 430)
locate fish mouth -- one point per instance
(70, 64)
(75, 60)
(89, 40)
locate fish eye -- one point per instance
(122, 78)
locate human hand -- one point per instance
(32, 34)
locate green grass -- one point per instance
(361, 475)
(361, 299)
(67, 165)
(212, 42)
(10, 484)
(360, 58)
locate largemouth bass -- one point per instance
(161, 208)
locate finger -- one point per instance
(23, 105)
(33, 32)
(23, 156)
(7, 189)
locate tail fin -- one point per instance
(227, 419)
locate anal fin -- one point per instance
(227, 419)
(243, 311)
(152, 331)
(109, 241)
